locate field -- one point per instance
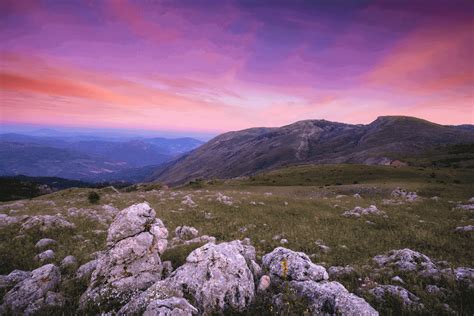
(302, 205)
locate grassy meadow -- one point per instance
(300, 204)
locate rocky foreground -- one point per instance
(129, 277)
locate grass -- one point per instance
(301, 204)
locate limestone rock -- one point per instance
(45, 242)
(85, 271)
(46, 222)
(130, 221)
(331, 298)
(408, 299)
(216, 277)
(174, 306)
(45, 256)
(407, 260)
(33, 288)
(285, 264)
(338, 271)
(186, 232)
(360, 211)
(7, 281)
(69, 263)
(132, 262)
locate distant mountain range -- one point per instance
(85, 157)
(246, 152)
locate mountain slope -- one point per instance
(245, 152)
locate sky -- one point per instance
(207, 67)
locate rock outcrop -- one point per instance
(132, 262)
(170, 306)
(309, 281)
(34, 292)
(214, 278)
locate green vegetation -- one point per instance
(301, 204)
(93, 197)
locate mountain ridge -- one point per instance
(245, 152)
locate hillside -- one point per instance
(23, 187)
(246, 152)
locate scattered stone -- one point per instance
(283, 241)
(464, 229)
(465, 275)
(404, 194)
(285, 264)
(398, 279)
(216, 277)
(29, 292)
(360, 211)
(46, 223)
(69, 264)
(186, 232)
(6, 220)
(264, 283)
(357, 196)
(336, 272)
(434, 290)
(45, 256)
(45, 242)
(132, 262)
(408, 299)
(188, 201)
(227, 200)
(322, 247)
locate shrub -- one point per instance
(93, 197)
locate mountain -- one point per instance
(86, 158)
(252, 150)
(40, 160)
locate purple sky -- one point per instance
(212, 66)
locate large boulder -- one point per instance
(214, 278)
(331, 298)
(287, 265)
(31, 292)
(132, 262)
(46, 222)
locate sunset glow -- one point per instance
(198, 66)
